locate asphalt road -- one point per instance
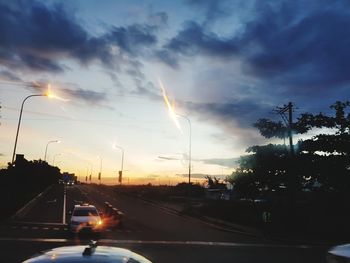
(159, 234)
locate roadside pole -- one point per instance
(64, 204)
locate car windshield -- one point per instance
(85, 212)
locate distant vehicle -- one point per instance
(70, 183)
(85, 217)
(339, 254)
(90, 253)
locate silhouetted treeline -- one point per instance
(20, 182)
(306, 185)
(319, 165)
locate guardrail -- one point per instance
(112, 216)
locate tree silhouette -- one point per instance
(320, 163)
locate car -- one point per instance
(85, 217)
(339, 254)
(70, 183)
(90, 253)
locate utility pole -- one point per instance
(291, 180)
(288, 122)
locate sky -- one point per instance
(223, 64)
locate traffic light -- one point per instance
(99, 176)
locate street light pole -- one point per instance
(91, 166)
(19, 122)
(190, 147)
(56, 141)
(122, 164)
(100, 173)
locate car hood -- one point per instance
(101, 254)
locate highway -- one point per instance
(157, 233)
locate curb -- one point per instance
(25, 209)
(303, 241)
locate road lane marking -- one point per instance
(51, 201)
(56, 228)
(166, 242)
(35, 227)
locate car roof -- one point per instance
(84, 206)
(100, 254)
(341, 251)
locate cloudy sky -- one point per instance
(224, 64)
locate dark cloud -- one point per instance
(158, 19)
(203, 176)
(241, 112)
(40, 64)
(212, 9)
(37, 37)
(226, 162)
(193, 40)
(285, 42)
(235, 120)
(71, 92)
(168, 57)
(31, 34)
(300, 49)
(131, 39)
(168, 158)
(89, 96)
(148, 90)
(8, 76)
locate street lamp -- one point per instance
(190, 147)
(91, 166)
(19, 122)
(55, 141)
(122, 163)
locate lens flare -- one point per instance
(171, 107)
(52, 95)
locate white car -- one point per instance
(85, 218)
(339, 254)
(90, 253)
